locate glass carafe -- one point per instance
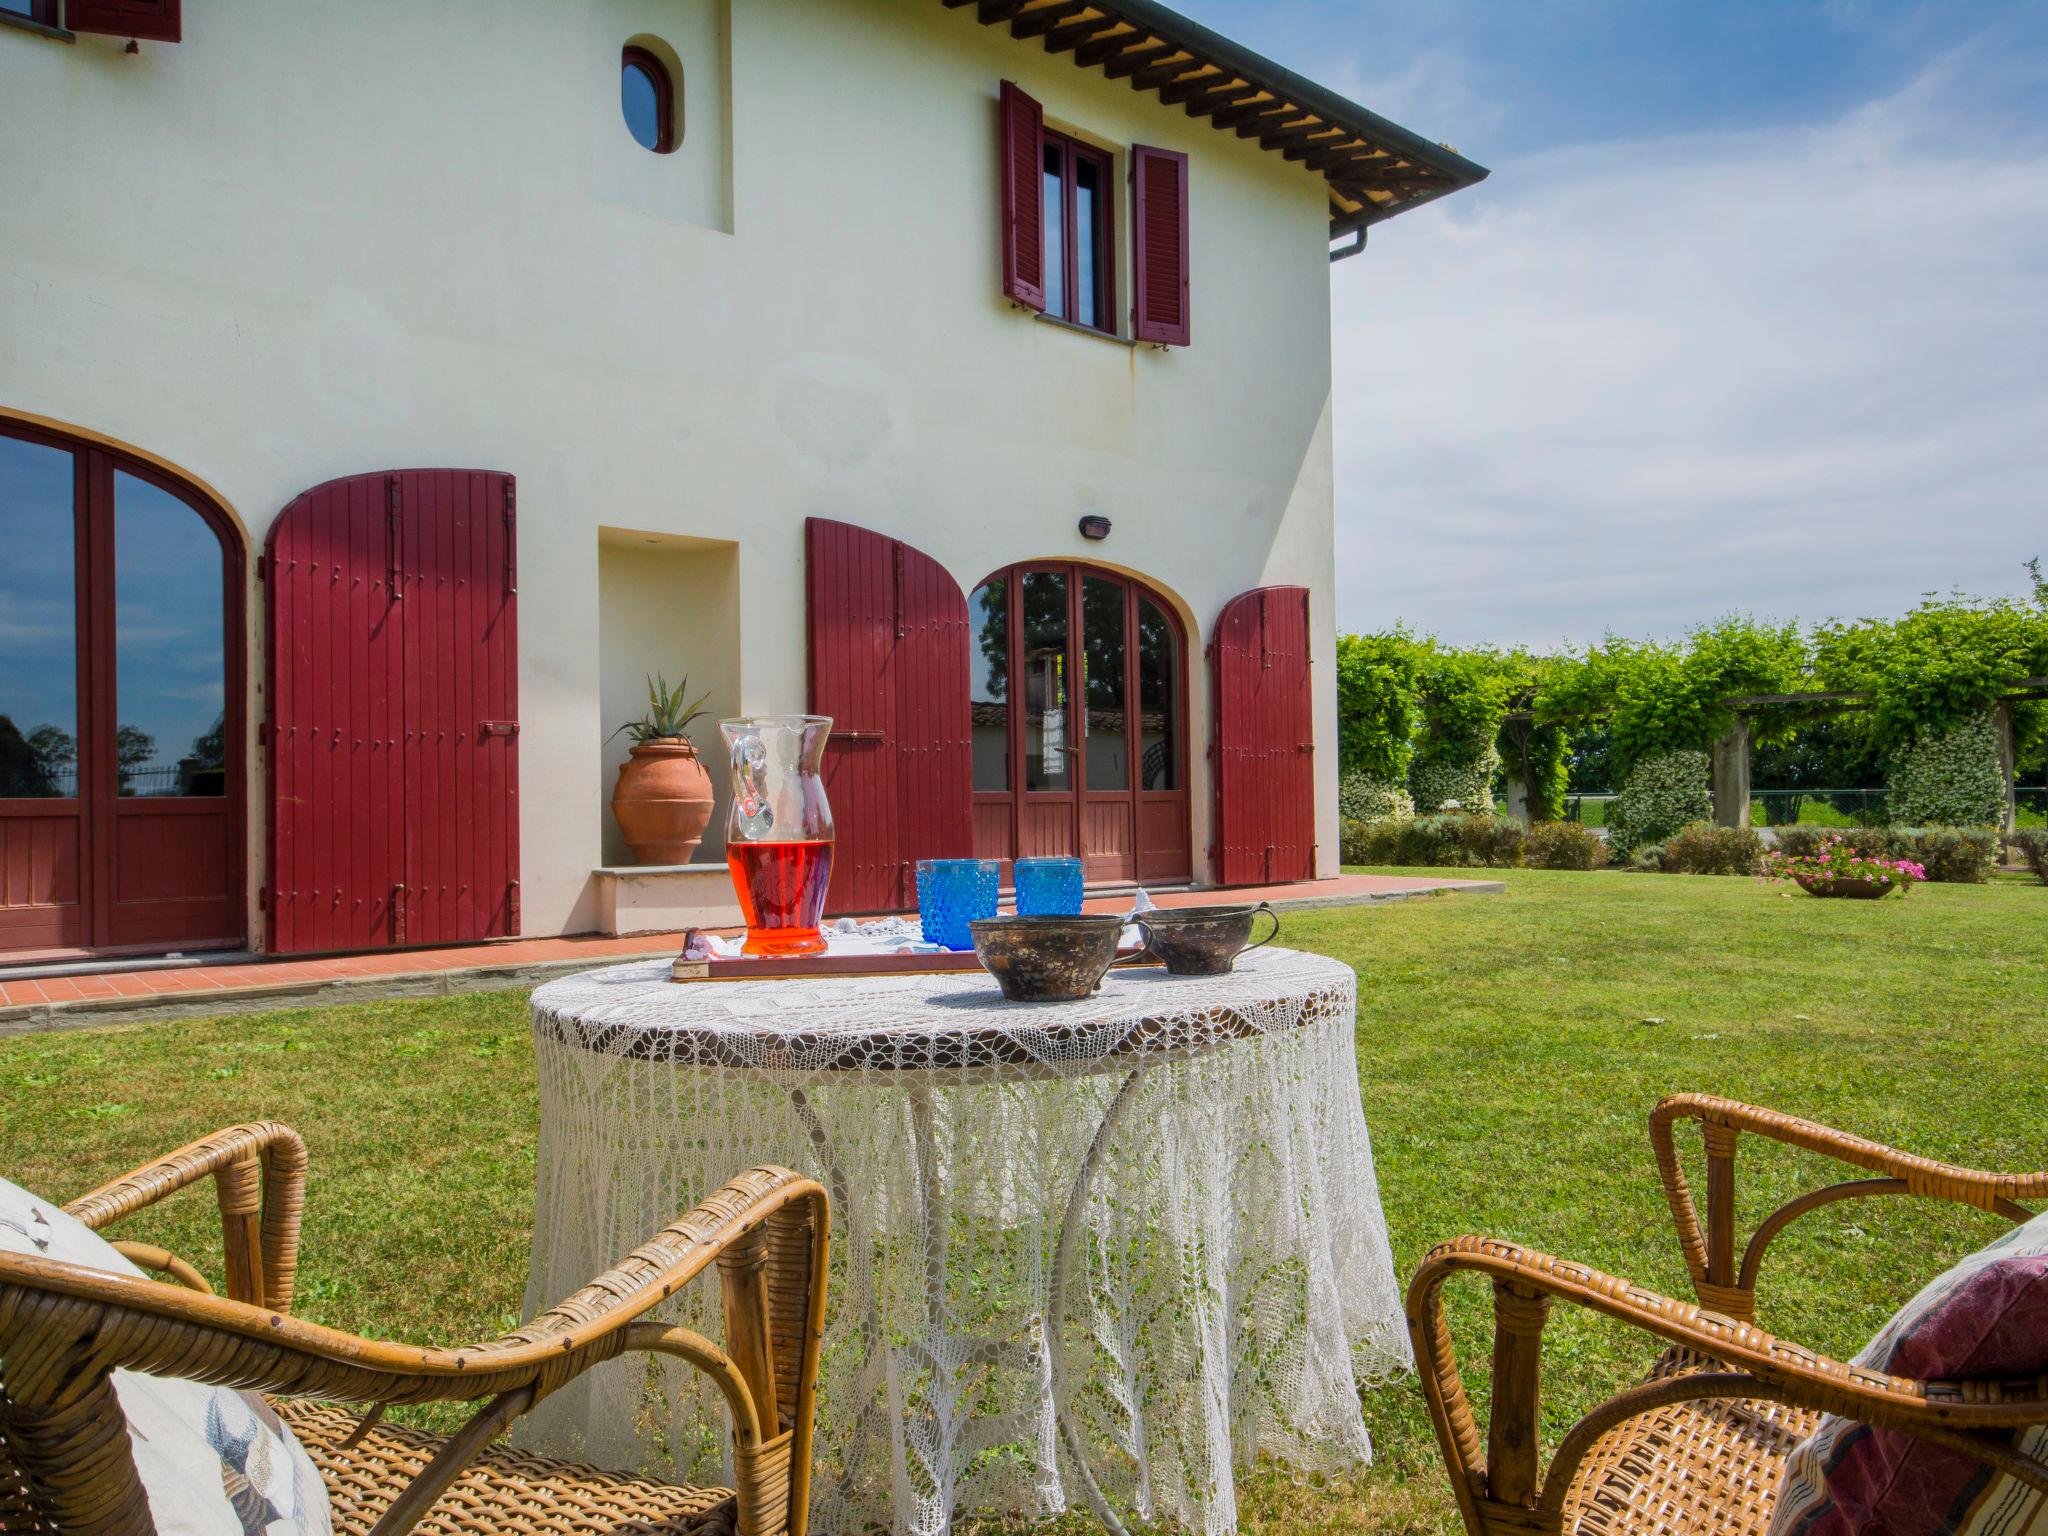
(778, 832)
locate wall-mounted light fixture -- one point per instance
(1094, 526)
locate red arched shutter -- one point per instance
(1265, 739)
(394, 712)
(1159, 244)
(1023, 136)
(888, 662)
(156, 21)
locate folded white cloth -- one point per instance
(888, 936)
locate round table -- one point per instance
(1102, 1253)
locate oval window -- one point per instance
(647, 97)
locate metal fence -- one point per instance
(174, 779)
(1814, 807)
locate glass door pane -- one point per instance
(988, 668)
(1105, 721)
(1158, 700)
(1048, 753)
(38, 623)
(170, 679)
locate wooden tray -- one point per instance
(778, 967)
(789, 967)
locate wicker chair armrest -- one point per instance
(766, 1230)
(1709, 1245)
(259, 1174)
(169, 1330)
(1780, 1369)
(1497, 1472)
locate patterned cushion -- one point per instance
(1987, 1317)
(214, 1461)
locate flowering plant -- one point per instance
(1836, 869)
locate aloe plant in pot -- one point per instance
(663, 799)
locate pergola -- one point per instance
(1731, 753)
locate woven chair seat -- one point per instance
(1704, 1468)
(503, 1491)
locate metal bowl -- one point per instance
(1037, 959)
(1205, 941)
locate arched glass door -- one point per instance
(121, 809)
(1079, 694)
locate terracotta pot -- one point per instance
(663, 801)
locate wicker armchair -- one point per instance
(1700, 1445)
(64, 1459)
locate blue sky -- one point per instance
(1752, 315)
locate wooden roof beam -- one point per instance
(1230, 117)
(1279, 134)
(1221, 97)
(1164, 74)
(1324, 139)
(1266, 122)
(1038, 22)
(1190, 86)
(1075, 33)
(1126, 61)
(990, 12)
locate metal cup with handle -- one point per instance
(1206, 941)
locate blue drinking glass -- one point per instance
(1048, 887)
(951, 893)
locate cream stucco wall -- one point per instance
(319, 239)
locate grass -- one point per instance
(1509, 1050)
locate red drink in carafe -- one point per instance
(781, 888)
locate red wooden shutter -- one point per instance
(888, 663)
(1265, 739)
(158, 21)
(1023, 179)
(393, 694)
(1159, 244)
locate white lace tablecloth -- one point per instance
(1098, 1254)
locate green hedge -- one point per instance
(1452, 841)
(1363, 796)
(2031, 849)
(1661, 795)
(1437, 782)
(1705, 849)
(1565, 845)
(1947, 778)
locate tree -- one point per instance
(23, 774)
(133, 747)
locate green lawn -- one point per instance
(1509, 1050)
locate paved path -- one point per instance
(62, 1002)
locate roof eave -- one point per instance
(1375, 168)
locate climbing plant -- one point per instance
(1379, 704)
(1444, 720)
(1941, 666)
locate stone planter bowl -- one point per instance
(1859, 890)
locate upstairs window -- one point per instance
(1059, 198)
(1080, 259)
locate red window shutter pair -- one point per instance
(1159, 223)
(158, 21)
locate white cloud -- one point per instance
(1801, 373)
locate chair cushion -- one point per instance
(1986, 1318)
(214, 1461)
